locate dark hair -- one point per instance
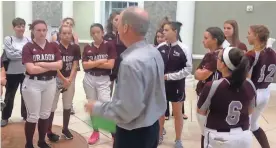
(69, 18)
(18, 21)
(164, 21)
(61, 27)
(262, 32)
(235, 36)
(109, 26)
(35, 22)
(175, 26)
(97, 25)
(241, 62)
(155, 38)
(217, 34)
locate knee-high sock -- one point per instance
(50, 122)
(29, 133)
(42, 129)
(261, 137)
(66, 118)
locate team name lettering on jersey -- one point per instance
(67, 58)
(43, 57)
(97, 57)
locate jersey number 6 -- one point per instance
(234, 113)
(269, 78)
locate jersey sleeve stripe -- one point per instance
(212, 91)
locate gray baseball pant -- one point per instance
(38, 97)
(97, 87)
(67, 97)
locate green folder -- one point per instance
(104, 124)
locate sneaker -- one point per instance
(160, 140)
(185, 117)
(178, 144)
(53, 137)
(43, 145)
(4, 123)
(164, 131)
(94, 138)
(72, 111)
(67, 134)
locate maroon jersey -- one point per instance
(105, 51)
(209, 62)
(242, 46)
(33, 53)
(263, 67)
(227, 108)
(120, 48)
(69, 55)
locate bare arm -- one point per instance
(204, 113)
(91, 64)
(51, 65)
(108, 65)
(202, 74)
(74, 70)
(33, 69)
(3, 77)
(59, 74)
(76, 39)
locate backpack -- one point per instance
(5, 59)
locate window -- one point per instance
(111, 6)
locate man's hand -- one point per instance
(88, 107)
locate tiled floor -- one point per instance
(191, 134)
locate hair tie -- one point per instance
(226, 58)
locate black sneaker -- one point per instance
(67, 134)
(43, 145)
(53, 137)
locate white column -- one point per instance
(141, 4)
(23, 9)
(185, 14)
(1, 26)
(97, 11)
(67, 9)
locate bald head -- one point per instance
(137, 18)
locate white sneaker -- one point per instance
(178, 144)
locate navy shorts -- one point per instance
(177, 96)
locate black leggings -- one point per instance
(13, 81)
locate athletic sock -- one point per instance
(50, 122)
(202, 141)
(29, 132)
(42, 129)
(261, 137)
(66, 118)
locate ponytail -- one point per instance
(237, 63)
(31, 29)
(240, 73)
